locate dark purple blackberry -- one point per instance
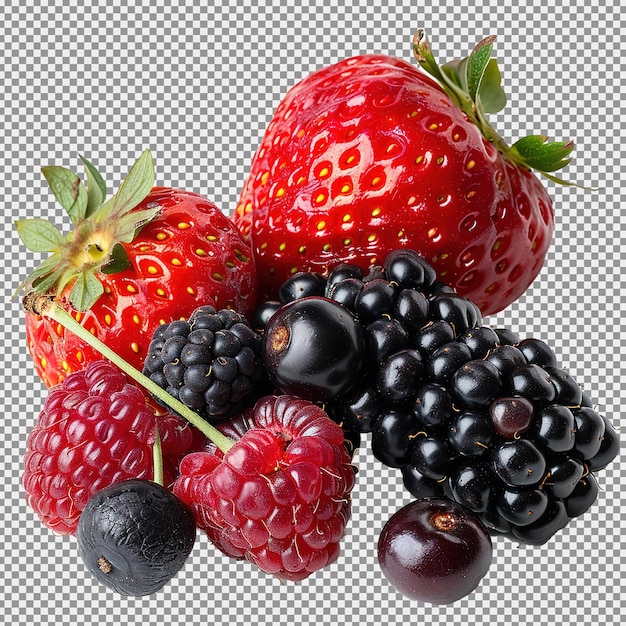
(210, 362)
(475, 414)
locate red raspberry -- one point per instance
(95, 429)
(280, 497)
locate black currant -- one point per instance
(134, 536)
(313, 348)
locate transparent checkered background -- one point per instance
(197, 86)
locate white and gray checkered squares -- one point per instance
(197, 85)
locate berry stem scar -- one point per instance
(46, 306)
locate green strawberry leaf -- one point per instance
(119, 260)
(474, 85)
(477, 64)
(68, 190)
(86, 291)
(130, 224)
(39, 235)
(536, 152)
(96, 187)
(46, 267)
(491, 95)
(136, 186)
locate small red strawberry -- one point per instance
(280, 496)
(95, 429)
(146, 256)
(370, 154)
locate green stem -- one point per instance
(157, 457)
(47, 307)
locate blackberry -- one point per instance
(211, 362)
(474, 414)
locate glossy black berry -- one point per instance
(313, 348)
(518, 463)
(480, 341)
(433, 405)
(342, 272)
(540, 531)
(302, 285)
(506, 358)
(538, 352)
(532, 382)
(590, 429)
(471, 484)
(392, 435)
(507, 336)
(434, 551)
(609, 447)
(432, 336)
(409, 270)
(583, 496)
(445, 361)
(461, 313)
(399, 375)
(411, 309)
(555, 428)
(346, 292)
(568, 392)
(134, 536)
(383, 337)
(470, 433)
(522, 507)
(420, 486)
(476, 383)
(431, 456)
(263, 313)
(564, 473)
(359, 408)
(375, 299)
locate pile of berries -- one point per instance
(218, 373)
(467, 412)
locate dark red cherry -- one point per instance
(435, 551)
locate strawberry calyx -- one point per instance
(101, 227)
(474, 85)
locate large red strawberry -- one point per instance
(370, 154)
(146, 256)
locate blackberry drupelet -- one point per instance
(211, 362)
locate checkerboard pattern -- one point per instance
(197, 85)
